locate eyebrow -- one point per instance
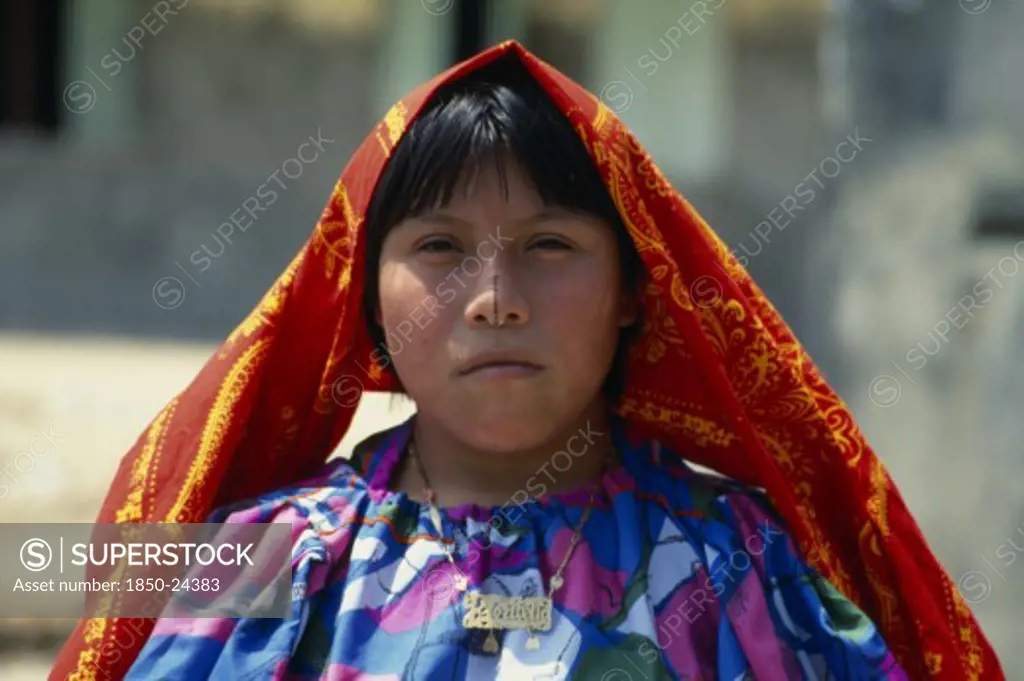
(546, 214)
(442, 219)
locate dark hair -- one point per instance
(496, 113)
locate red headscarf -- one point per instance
(716, 374)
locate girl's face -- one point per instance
(502, 315)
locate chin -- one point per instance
(507, 425)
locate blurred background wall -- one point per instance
(866, 161)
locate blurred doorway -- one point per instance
(31, 41)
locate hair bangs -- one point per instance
(494, 116)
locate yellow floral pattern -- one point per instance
(132, 510)
(335, 237)
(390, 130)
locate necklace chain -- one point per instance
(462, 582)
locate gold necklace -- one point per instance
(494, 611)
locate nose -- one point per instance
(497, 303)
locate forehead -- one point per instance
(508, 196)
(495, 185)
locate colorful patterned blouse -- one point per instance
(678, 575)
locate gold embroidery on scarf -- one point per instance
(877, 503)
(756, 368)
(659, 331)
(677, 289)
(395, 120)
(132, 510)
(336, 238)
(846, 433)
(782, 455)
(621, 147)
(602, 116)
(796, 404)
(759, 374)
(727, 263)
(92, 633)
(93, 630)
(680, 294)
(654, 179)
(787, 452)
(394, 125)
(714, 329)
(668, 400)
(817, 549)
(351, 217)
(972, 658)
(659, 334)
(217, 422)
(811, 399)
(608, 150)
(634, 212)
(702, 431)
(933, 661)
(269, 307)
(332, 386)
(888, 603)
(105, 604)
(98, 629)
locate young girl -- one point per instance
(503, 252)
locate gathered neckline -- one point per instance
(383, 459)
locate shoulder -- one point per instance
(716, 499)
(336, 477)
(322, 510)
(728, 497)
(339, 480)
(325, 509)
(703, 486)
(324, 513)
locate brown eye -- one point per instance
(437, 245)
(549, 243)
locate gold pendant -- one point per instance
(493, 611)
(461, 583)
(491, 643)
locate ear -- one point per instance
(629, 307)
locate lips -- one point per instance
(504, 362)
(526, 366)
(504, 371)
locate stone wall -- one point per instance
(223, 106)
(930, 321)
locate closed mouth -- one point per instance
(506, 364)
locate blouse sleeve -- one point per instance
(231, 647)
(818, 629)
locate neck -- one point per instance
(461, 474)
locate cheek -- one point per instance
(415, 321)
(583, 316)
